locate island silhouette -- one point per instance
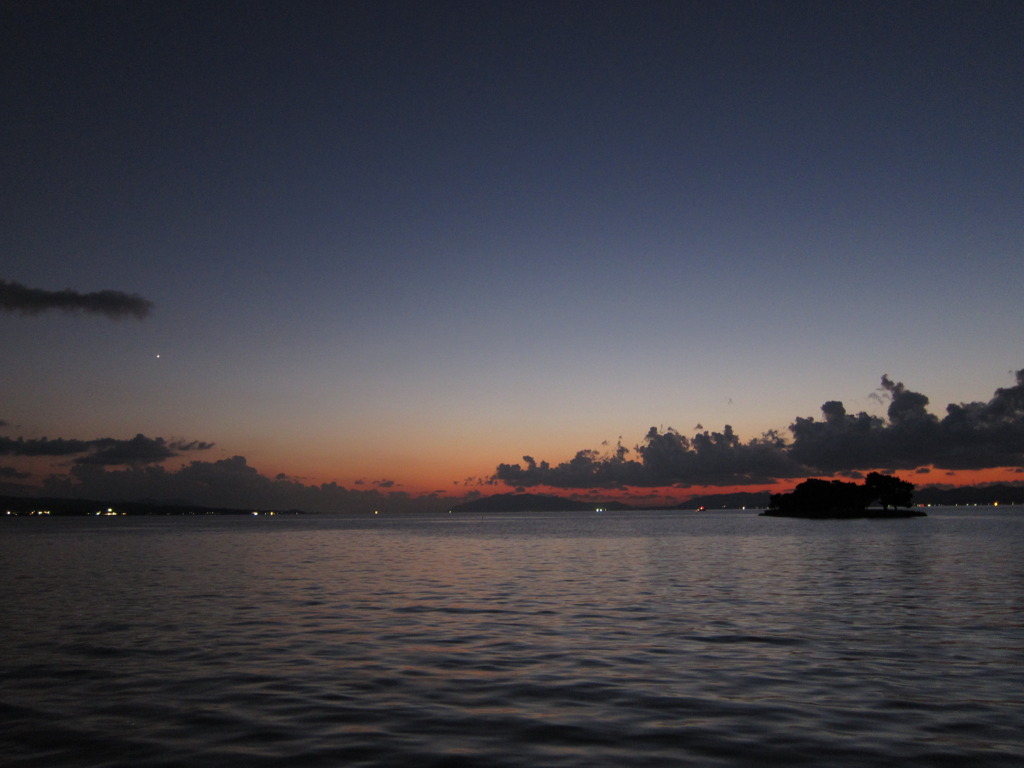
(831, 499)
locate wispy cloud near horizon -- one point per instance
(15, 297)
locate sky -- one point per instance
(347, 254)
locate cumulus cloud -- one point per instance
(103, 451)
(663, 459)
(15, 297)
(970, 436)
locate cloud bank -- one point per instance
(227, 482)
(15, 297)
(131, 470)
(969, 436)
(104, 451)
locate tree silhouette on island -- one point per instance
(824, 499)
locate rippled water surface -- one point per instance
(626, 639)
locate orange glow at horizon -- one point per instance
(444, 480)
(457, 477)
(666, 496)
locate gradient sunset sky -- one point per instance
(394, 245)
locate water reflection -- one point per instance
(516, 640)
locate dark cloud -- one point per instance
(377, 483)
(17, 446)
(970, 436)
(665, 458)
(15, 297)
(139, 450)
(131, 470)
(227, 482)
(185, 446)
(103, 451)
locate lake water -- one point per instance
(531, 640)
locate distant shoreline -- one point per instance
(18, 506)
(870, 514)
(26, 506)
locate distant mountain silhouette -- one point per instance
(740, 500)
(533, 502)
(1001, 493)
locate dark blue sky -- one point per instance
(409, 241)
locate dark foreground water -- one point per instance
(642, 639)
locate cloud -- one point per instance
(139, 450)
(970, 436)
(227, 482)
(665, 458)
(383, 483)
(103, 451)
(15, 297)
(17, 446)
(131, 470)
